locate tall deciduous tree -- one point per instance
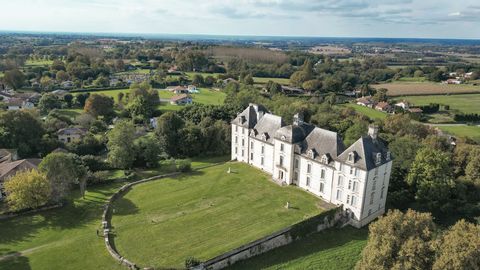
(14, 78)
(99, 105)
(120, 144)
(168, 132)
(399, 241)
(21, 130)
(27, 189)
(49, 102)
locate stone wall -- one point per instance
(283, 237)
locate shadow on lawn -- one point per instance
(16, 262)
(322, 241)
(124, 206)
(76, 213)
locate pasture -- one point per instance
(425, 88)
(369, 112)
(204, 214)
(472, 132)
(468, 103)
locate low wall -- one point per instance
(283, 237)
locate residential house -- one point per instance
(403, 104)
(453, 81)
(182, 99)
(8, 155)
(415, 110)
(14, 104)
(67, 135)
(60, 93)
(366, 102)
(316, 160)
(67, 84)
(9, 169)
(383, 107)
(292, 90)
(192, 89)
(468, 75)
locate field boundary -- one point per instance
(435, 94)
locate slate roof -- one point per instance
(250, 116)
(365, 150)
(268, 125)
(294, 133)
(323, 142)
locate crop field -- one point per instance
(204, 214)
(426, 88)
(468, 103)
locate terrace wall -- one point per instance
(283, 237)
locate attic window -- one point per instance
(243, 119)
(388, 157)
(378, 158)
(253, 133)
(324, 159)
(351, 157)
(283, 138)
(264, 136)
(311, 154)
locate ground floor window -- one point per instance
(322, 186)
(261, 161)
(339, 194)
(308, 181)
(251, 156)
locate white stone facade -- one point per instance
(316, 160)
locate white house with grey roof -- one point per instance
(316, 160)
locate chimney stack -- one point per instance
(373, 131)
(298, 119)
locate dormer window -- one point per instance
(325, 159)
(388, 157)
(283, 138)
(264, 136)
(378, 158)
(311, 153)
(243, 119)
(351, 157)
(253, 133)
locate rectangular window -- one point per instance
(340, 181)
(339, 194)
(355, 186)
(236, 139)
(351, 170)
(243, 142)
(369, 212)
(243, 152)
(309, 168)
(354, 201)
(357, 172)
(263, 149)
(322, 186)
(236, 150)
(296, 163)
(381, 193)
(243, 131)
(341, 167)
(261, 161)
(295, 176)
(308, 181)
(236, 128)
(251, 145)
(372, 196)
(322, 174)
(374, 184)
(251, 156)
(376, 171)
(348, 199)
(281, 147)
(281, 160)
(349, 184)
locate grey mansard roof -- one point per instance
(322, 142)
(250, 116)
(294, 133)
(267, 125)
(365, 150)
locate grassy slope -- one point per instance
(463, 103)
(463, 131)
(401, 88)
(331, 249)
(206, 96)
(371, 113)
(163, 222)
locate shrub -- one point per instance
(184, 165)
(191, 262)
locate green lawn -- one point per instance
(204, 214)
(136, 71)
(469, 103)
(206, 96)
(332, 249)
(72, 113)
(369, 112)
(33, 63)
(260, 80)
(63, 238)
(412, 79)
(463, 131)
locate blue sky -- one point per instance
(331, 18)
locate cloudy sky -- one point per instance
(330, 18)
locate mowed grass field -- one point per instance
(333, 249)
(469, 103)
(463, 131)
(204, 214)
(369, 112)
(425, 88)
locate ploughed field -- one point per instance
(204, 214)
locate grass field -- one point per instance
(72, 113)
(260, 80)
(206, 96)
(204, 214)
(334, 249)
(425, 88)
(469, 103)
(33, 63)
(369, 112)
(463, 131)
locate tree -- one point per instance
(198, 80)
(331, 99)
(139, 108)
(459, 248)
(472, 171)
(273, 87)
(49, 102)
(68, 98)
(99, 105)
(46, 82)
(62, 76)
(380, 95)
(168, 131)
(312, 85)
(27, 189)
(121, 149)
(430, 177)
(148, 151)
(14, 78)
(63, 170)
(102, 81)
(81, 99)
(355, 131)
(21, 130)
(399, 241)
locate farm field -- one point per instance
(425, 88)
(469, 103)
(462, 131)
(204, 214)
(369, 112)
(330, 249)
